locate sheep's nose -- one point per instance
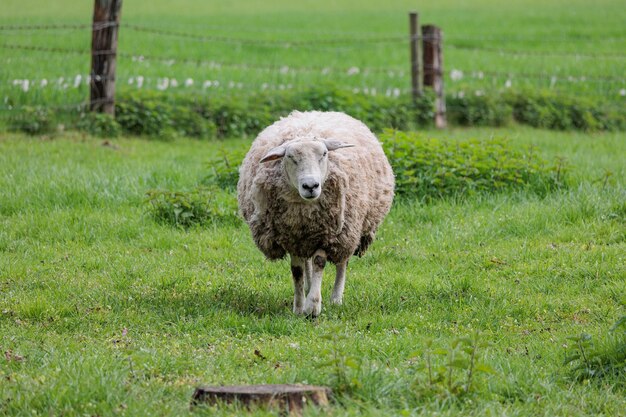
(310, 185)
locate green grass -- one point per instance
(104, 311)
(549, 35)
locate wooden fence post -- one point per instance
(433, 70)
(106, 19)
(416, 88)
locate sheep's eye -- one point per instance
(325, 153)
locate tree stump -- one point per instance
(290, 399)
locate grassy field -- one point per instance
(105, 312)
(573, 47)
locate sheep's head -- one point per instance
(305, 163)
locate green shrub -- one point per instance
(140, 115)
(224, 169)
(478, 110)
(551, 111)
(588, 359)
(153, 113)
(158, 115)
(432, 168)
(99, 124)
(237, 119)
(32, 121)
(200, 206)
(451, 371)
(376, 111)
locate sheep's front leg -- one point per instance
(340, 282)
(298, 266)
(313, 303)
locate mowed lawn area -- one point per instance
(104, 311)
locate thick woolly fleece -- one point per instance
(356, 195)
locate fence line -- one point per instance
(336, 44)
(558, 54)
(324, 70)
(353, 41)
(357, 35)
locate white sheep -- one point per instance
(315, 185)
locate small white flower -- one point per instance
(207, 84)
(622, 92)
(479, 93)
(373, 91)
(188, 82)
(391, 74)
(139, 81)
(353, 71)
(325, 71)
(355, 90)
(461, 94)
(163, 83)
(396, 92)
(231, 84)
(456, 75)
(480, 75)
(553, 80)
(131, 80)
(174, 83)
(25, 85)
(508, 84)
(43, 82)
(284, 69)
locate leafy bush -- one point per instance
(32, 121)
(154, 114)
(451, 371)
(99, 124)
(224, 169)
(551, 111)
(478, 110)
(588, 360)
(200, 206)
(431, 168)
(376, 111)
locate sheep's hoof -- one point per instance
(298, 310)
(312, 309)
(336, 300)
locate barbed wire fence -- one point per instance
(236, 88)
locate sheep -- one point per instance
(315, 185)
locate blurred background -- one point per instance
(236, 49)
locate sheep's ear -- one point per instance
(332, 144)
(276, 153)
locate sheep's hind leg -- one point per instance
(298, 266)
(308, 273)
(340, 282)
(313, 303)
